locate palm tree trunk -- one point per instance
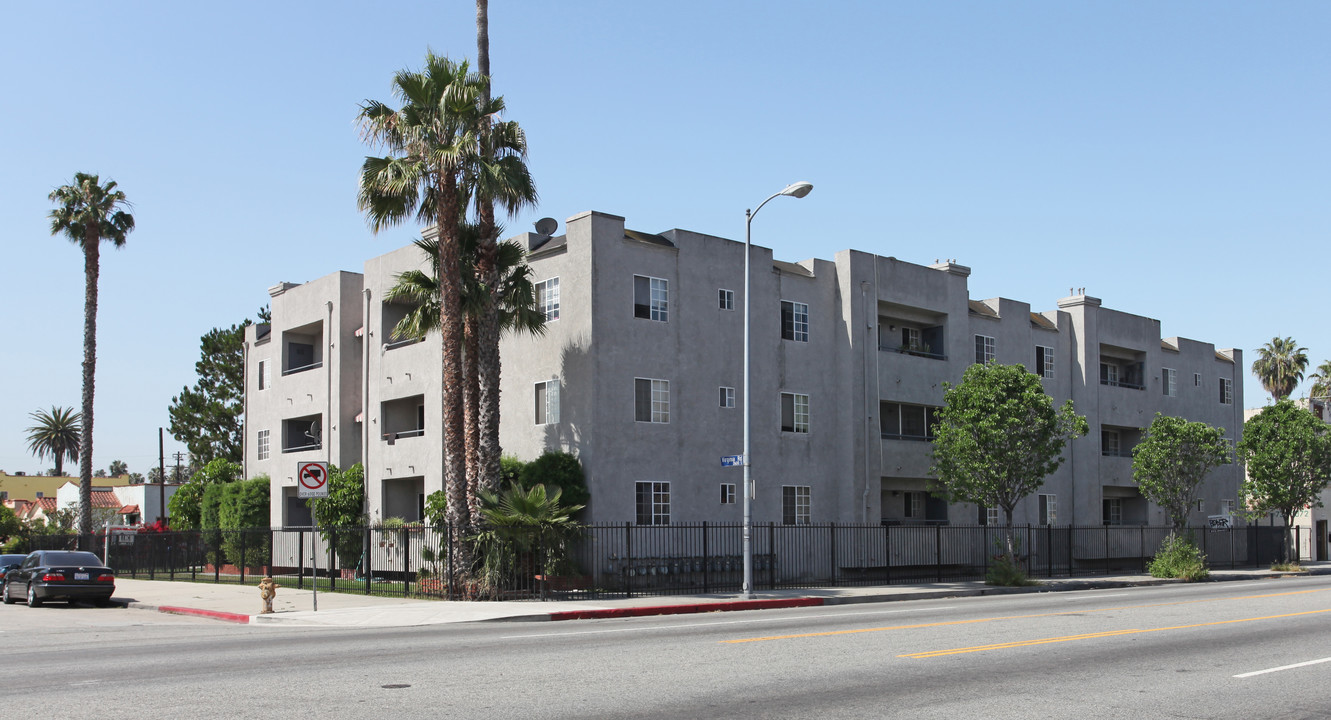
(451, 336)
(489, 451)
(472, 412)
(91, 266)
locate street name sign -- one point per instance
(731, 460)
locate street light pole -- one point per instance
(795, 190)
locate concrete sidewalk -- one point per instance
(241, 604)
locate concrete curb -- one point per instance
(686, 609)
(194, 612)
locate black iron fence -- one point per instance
(621, 560)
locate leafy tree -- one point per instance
(998, 436)
(117, 468)
(343, 508)
(244, 509)
(207, 417)
(136, 478)
(1287, 452)
(99, 473)
(9, 524)
(55, 434)
(1280, 365)
(1173, 459)
(429, 139)
(1321, 388)
(88, 212)
(557, 469)
(187, 502)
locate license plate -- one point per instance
(80, 576)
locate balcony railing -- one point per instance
(898, 436)
(302, 368)
(302, 448)
(916, 351)
(392, 437)
(400, 343)
(1122, 383)
(1124, 452)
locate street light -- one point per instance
(795, 190)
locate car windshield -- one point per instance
(11, 560)
(72, 558)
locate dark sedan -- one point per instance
(59, 575)
(9, 562)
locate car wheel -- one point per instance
(32, 597)
(4, 594)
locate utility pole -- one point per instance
(161, 476)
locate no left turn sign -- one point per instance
(312, 479)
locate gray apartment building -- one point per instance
(640, 374)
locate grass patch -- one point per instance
(1286, 567)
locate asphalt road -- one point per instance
(1235, 650)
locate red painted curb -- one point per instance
(214, 614)
(685, 609)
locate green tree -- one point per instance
(342, 513)
(9, 524)
(117, 468)
(525, 529)
(243, 515)
(187, 503)
(430, 139)
(88, 212)
(1280, 365)
(55, 434)
(1173, 459)
(558, 469)
(1321, 388)
(207, 418)
(1287, 452)
(997, 438)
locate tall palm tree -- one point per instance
(1321, 388)
(88, 212)
(429, 138)
(56, 433)
(1280, 365)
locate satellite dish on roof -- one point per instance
(314, 432)
(547, 226)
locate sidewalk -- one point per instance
(241, 604)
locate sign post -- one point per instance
(312, 483)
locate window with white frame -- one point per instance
(914, 506)
(727, 299)
(653, 503)
(1201, 504)
(988, 516)
(794, 413)
(794, 504)
(1169, 382)
(1226, 391)
(651, 298)
(1196, 379)
(1112, 511)
(984, 349)
(727, 493)
(651, 400)
(1048, 507)
(794, 321)
(547, 402)
(725, 397)
(547, 298)
(898, 421)
(1227, 506)
(1110, 444)
(265, 374)
(1108, 373)
(264, 444)
(1044, 361)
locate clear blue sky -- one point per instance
(1172, 158)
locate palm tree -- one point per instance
(429, 138)
(88, 212)
(1279, 366)
(1321, 388)
(56, 433)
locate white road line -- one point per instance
(1283, 667)
(720, 622)
(1093, 597)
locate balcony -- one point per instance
(911, 331)
(403, 418)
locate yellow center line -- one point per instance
(831, 633)
(1091, 636)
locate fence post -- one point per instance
(887, 553)
(628, 559)
(217, 556)
(706, 559)
(938, 552)
(771, 555)
(332, 559)
(1049, 550)
(832, 529)
(1141, 547)
(1298, 542)
(406, 563)
(452, 588)
(365, 554)
(272, 548)
(300, 564)
(1106, 549)
(1256, 533)
(244, 556)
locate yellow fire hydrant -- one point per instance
(267, 591)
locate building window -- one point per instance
(1108, 374)
(651, 298)
(653, 503)
(794, 321)
(1044, 361)
(727, 493)
(726, 397)
(1196, 379)
(984, 349)
(265, 375)
(264, 446)
(727, 298)
(1112, 511)
(988, 516)
(1169, 381)
(794, 413)
(1201, 504)
(795, 504)
(1048, 509)
(1109, 443)
(1227, 507)
(547, 298)
(547, 402)
(1226, 391)
(907, 422)
(651, 400)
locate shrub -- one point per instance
(1006, 573)
(1286, 567)
(1179, 558)
(558, 470)
(242, 510)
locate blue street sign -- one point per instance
(731, 460)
